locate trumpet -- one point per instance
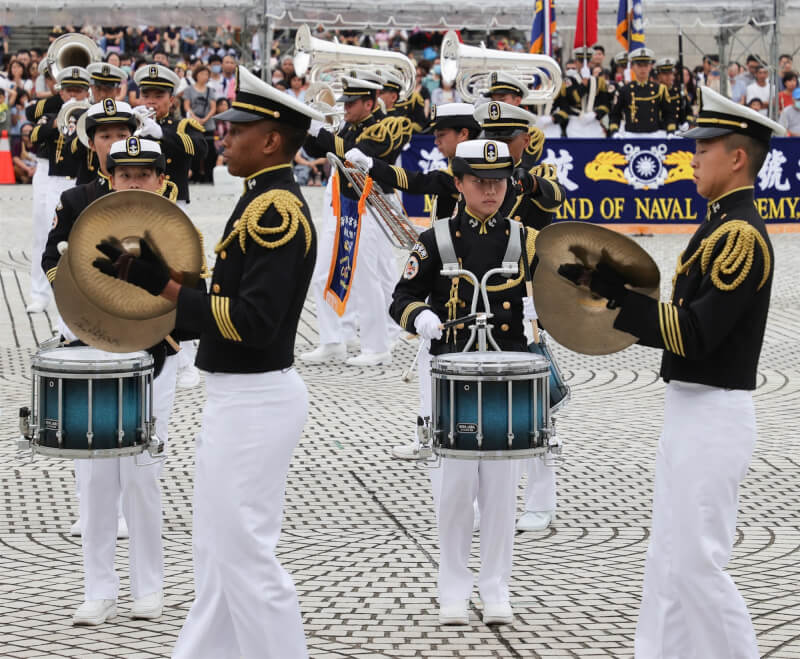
(469, 68)
(71, 50)
(327, 61)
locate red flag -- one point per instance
(586, 28)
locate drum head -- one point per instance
(489, 363)
(84, 359)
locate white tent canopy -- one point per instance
(660, 15)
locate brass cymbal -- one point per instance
(127, 216)
(100, 329)
(572, 314)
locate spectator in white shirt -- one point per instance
(761, 88)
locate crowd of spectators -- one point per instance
(206, 59)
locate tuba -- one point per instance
(71, 50)
(468, 68)
(327, 61)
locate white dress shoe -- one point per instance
(499, 613)
(148, 607)
(327, 352)
(370, 359)
(122, 528)
(406, 451)
(36, 306)
(188, 377)
(454, 614)
(95, 612)
(75, 529)
(536, 521)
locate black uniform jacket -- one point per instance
(48, 140)
(414, 108)
(438, 182)
(88, 166)
(646, 108)
(480, 246)
(248, 322)
(182, 141)
(378, 136)
(713, 327)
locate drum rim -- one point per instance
(469, 363)
(45, 361)
(510, 454)
(85, 453)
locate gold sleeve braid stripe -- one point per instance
(338, 146)
(670, 328)
(402, 177)
(290, 209)
(51, 274)
(35, 135)
(407, 312)
(188, 145)
(221, 310)
(736, 256)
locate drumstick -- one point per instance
(406, 377)
(172, 343)
(528, 283)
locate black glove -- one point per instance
(146, 271)
(604, 281)
(522, 181)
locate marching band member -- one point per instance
(412, 107)
(643, 104)
(180, 141)
(51, 143)
(102, 482)
(584, 121)
(363, 124)
(711, 332)
(423, 298)
(106, 80)
(665, 75)
(245, 602)
(533, 202)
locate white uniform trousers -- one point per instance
(245, 603)
(579, 127)
(550, 129)
(653, 135)
(691, 608)
(494, 483)
(540, 492)
(136, 479)
(42, 222)
(332, 327)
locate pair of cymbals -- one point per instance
(572, 314)
(108, 313)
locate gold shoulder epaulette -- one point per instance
(290, 209)
(733, 264)
(535, 142)
(169, 190)
(393, 132)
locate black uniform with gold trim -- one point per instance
(248, 323)
(535, 210)
(48, 141)
(182, 142)
(645, 106)
(438, 183)
(412, 108)
(85, 159)
(567, 104)
(713, 327)
(480, 246)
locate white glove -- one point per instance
(544, 120)
(69, 102)
(428, 325)
(141, 110)
(618, 135)
(528, 310)
(62, 247)
(315, 127)
(149, 128)
(588, 117)
(359, 159)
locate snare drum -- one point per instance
(559, 390)
(87, 403)
(490, 405)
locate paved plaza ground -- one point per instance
(359, 536)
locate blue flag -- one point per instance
(636, 23)
(542, 29)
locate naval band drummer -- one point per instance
(711, 332)
(423, 300)
(245, 602)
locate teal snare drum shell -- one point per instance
(491, 405)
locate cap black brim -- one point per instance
(505, 134)
(236, 116)
(346, 98)
(705, 132)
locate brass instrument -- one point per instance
(328, 61)
(320, 96)
(393, 219)
(469, 68)
(66, 116)
(71, 50)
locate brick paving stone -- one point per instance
(359, 535)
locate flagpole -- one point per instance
(546, 46)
